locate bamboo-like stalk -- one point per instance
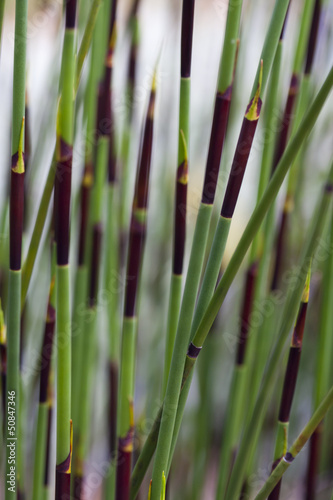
(64, 154)
(297, 446)
(16, 215)
(125, 425)
(323, 364)
(43, 407)
(219, 125)
(181, 184)
(111, 270)
(126, 140)
(295, 90)
(233, 266)
(289, 384)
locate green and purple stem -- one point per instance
(289, 385)
(16, 216)
(137, 237)
(179, 237)
(63, 181)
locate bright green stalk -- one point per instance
(40, 451)
(125, 420)
(238, 256)
(173, 315)
(297, 446)
(269, 138)
(303, 36)
(289, 313)
(16, 227)
(64, 155)
(64, 364)
(182, 339)
(125, 147)
(112, 285)
(325, 342)
(86, 39)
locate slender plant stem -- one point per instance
(12, 416)
(125, 423)
(219, 125)
(297, 446)
(289, 384)
(181, 184)
(64, 154)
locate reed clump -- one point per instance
(152, 345)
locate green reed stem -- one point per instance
(16, 228)
(297, 446)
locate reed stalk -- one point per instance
(126, 141)
(297, 446)
(219, 125)
(16, 215)
(322, 380)
(64, 154)
(43, 406)
(291, 119)
(289, 384)
(181, 184)
(138, 228)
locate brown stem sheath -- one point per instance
(219, 126)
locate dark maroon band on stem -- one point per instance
(46, 353)
(286, 120)
(313, 37)
(289, 383)
(63, 485)
(62, 200)
(95, 263)
(186, 38)
(298, 332)
(279, 252)
(113, 388)
(16, 217)
(246, 313)
(112, 161)
(124, 463)
(135, 251)
(180, 219)
(84, 209)
(70, 14)
(313, 463)
(78, 487)
(48, 448)
(238, 167)
(145, 158)
(193, 351)
(219, 126)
